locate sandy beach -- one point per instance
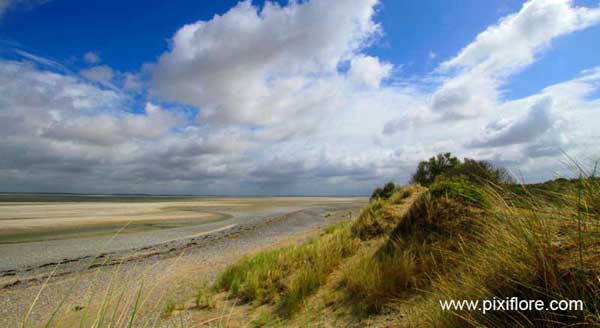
(197, 239)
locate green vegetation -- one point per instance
(170, 307)
(371, 280)
(465, 236)
(380, 216)
(446, 165)
(428, 171)
(470, 235)
(385, 192)
(287, 276)
(204, 299)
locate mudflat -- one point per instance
(34, 233)
(185, 239)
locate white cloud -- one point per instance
(516, 39)
(263, 66)
(102, 74)
(465, 96)
(91, 57)
(502, 50)
(369, 70)
(132, 82)
(64, 128)
(288, 101)
(538, 120)
(113, 129)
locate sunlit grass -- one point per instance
(455, 240)
(287, 276)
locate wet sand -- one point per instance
(34, 234)
(187, 254)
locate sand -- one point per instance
(173, 261)
(32, 217)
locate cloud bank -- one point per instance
(287, 100)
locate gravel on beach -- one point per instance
(175, 267)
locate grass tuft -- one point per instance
(380, 216)
(287, 276)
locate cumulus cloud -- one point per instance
(369, 70)
(502, 50)
(538, 120)
(550, 146)
(111, 129)
(260, 66)
(132, 82)
(284, 99)
(65, 128)
(101, 74)
(516, 39)
(465, 96)
(91, 57)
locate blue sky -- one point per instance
(64, 30)
(270, 90)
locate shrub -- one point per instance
(376, 194)
(388, 190)
(385, 192)
(446, 165)
(481, 172)
(428, 171)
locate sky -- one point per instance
(313, 97)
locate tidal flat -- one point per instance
(71, 236)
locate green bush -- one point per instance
(481, 172)
(388, 190)
(446, 165)
(384, 193)
(376, 194)
(429, 170)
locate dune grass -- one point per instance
(371, 280)
(542, 251)
(457, 240)
(461, 241)
(381, 215)
(425, 242)
(287, 276)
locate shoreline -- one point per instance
(203, 254)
